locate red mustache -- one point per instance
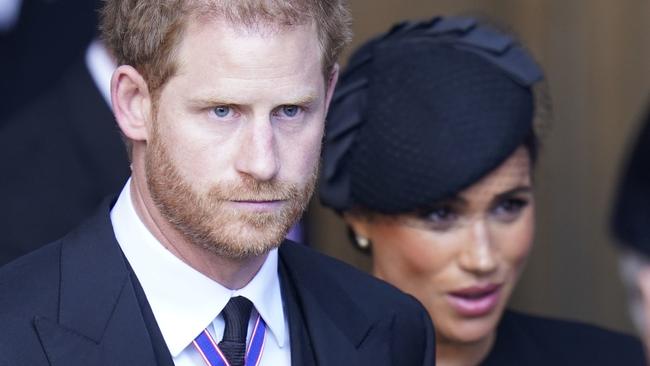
(252, 190)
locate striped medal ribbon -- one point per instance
(212, 355)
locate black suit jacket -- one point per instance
(75, 303)
(59, 158)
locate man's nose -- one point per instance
(258, 152)
(479, 253)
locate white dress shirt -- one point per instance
(184, 301)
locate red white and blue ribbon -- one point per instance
(212, 355)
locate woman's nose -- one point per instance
(479, 252)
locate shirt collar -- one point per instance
(183, 300)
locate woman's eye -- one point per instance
(222, 111)
(441, 218)
(510, 208)
(440, 214)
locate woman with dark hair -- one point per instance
(429, 151)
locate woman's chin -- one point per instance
(468, 329)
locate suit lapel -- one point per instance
(99, 321)
(161, 352)
(331, 346)
(64, 346)
(336, 325)
(302, 352)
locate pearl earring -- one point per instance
(363, 243)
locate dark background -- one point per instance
(49, 35)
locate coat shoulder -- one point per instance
(365, 288)
(363, 304)
(29, 288)
(31, 281)
(566, 342)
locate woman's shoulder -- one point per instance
(543, 327)
(541, 340)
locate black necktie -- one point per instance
(236, 314)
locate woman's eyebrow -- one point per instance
(525, 189)
(455, 200)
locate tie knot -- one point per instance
(236, 315)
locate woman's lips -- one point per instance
(475, 301)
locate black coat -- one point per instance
(75, 303)
(59, 158)
(532, 341)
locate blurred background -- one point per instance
(596, 54)
(39, 39)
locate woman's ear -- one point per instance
(358, 224)
(358, 231)
(131, 102)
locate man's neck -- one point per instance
(233, 274)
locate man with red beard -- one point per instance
(222, 105)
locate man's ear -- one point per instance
(331, 84)
(131, 102)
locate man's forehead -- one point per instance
(222, 62)
(235, 43)
(260, 22)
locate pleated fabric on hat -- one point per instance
(424, 111)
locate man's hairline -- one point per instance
(326, 71)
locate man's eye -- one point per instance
(222, 111)
(290, 110)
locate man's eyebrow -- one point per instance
(302, 100)
(210, 101)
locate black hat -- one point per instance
(424, 111)
(631, 215)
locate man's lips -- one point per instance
(475, 301)
(257, 205)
